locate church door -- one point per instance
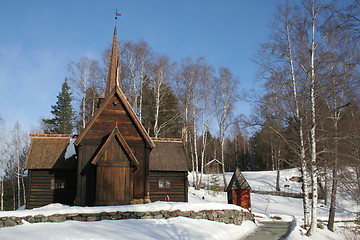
(114, 176)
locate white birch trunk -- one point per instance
(196, 156)
(157, 105)
(2, 179)
(142, 80)
(84, 82)
(18, 177)
(204, 143)
(313, 151)
(302, 157)
(272, 156)
(277, 165)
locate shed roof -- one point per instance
(168, 155)
(238, 181)
(47, 151)
(214, 161)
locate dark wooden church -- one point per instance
(113, 161)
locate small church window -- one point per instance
(164, 183)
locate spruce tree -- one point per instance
(63, 113)
(169, 115)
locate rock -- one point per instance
(296, 179)
(57, 218)
(159, 216)
(30, 219)
(93, 218)
(9, 223)
(104, 217)
(78, 218)
(140, 214)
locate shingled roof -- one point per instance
(47, 151)
(238, 181)
(168, 155)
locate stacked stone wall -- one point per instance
(225, 216)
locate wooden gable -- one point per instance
(115, 141)
(115, 111)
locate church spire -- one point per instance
(113, 70)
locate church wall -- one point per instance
(51, 186)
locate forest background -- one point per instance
(305, 115)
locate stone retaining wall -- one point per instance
(225, 216)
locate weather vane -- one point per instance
(117, 14)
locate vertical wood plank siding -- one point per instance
(113, 177)
(178, 190)
(112, 115)
(40, 190)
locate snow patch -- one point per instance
(70, 150)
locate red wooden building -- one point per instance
(113, 158)
(238, 190)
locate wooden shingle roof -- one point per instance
(238, 181)
(168, 155)
(47, 151)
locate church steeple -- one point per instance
(113, 71)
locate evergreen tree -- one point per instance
(170, 121)
(63, 112)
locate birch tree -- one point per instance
(342, 60)
(84, 75)
(2, 161)
(295, 63)
(161, 73)
(136, 61)
(194, 88)
(224, 100)
(19, 143)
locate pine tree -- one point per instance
(63, 112)
(169, 121)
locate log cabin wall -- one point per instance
(50, 186)
(176, 192)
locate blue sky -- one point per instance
(39, 38)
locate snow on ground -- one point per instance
(266, 206)
(347, 207)
(173, 228)
(263, 206)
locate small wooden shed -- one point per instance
(213, 167)
(168, 171)
(238, 190)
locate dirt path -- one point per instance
(270, 231)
